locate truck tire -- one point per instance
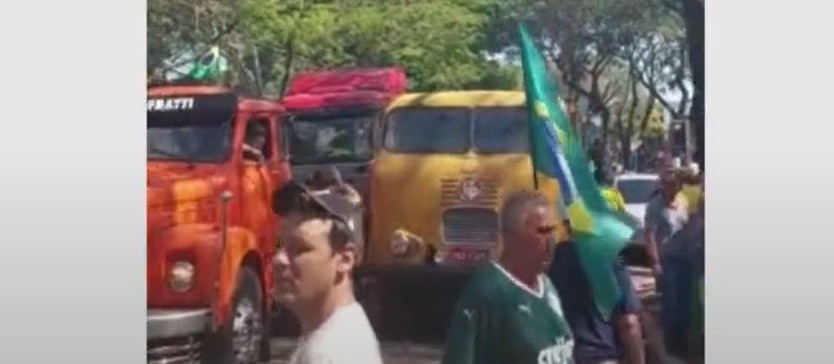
(241, 339)
(265, 352)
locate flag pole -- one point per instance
(535, 179)
(532, 142)
(530, 137)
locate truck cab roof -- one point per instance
(373, 87)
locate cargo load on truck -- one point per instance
(334, 120)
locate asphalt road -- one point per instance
(411, 353)
(392, 352)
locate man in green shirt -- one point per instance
(510, 312)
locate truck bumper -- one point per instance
(417, 301)
(176, 336)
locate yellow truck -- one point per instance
(445, 164)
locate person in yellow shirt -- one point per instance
(691, 190)
(611, 195)
(614, 198)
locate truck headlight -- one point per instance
(399, 244)
(181, 276)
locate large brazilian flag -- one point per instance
(557, 154)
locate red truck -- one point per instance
(214, 157)
(335, 120)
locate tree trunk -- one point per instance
(644, 123)
(605, 115)
(596, 105)
(257, 65)
(693, 11)
(630, 126)
(288, 60)
(573, 113)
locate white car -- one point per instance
(637, 189)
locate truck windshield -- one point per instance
(201, 134)
(501, 130)
(485, 130)
(331, 138)
(428, 130)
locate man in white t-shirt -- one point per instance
(313, 270)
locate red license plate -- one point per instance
(468, 255)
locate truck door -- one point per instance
(258, 180)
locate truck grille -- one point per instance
(451, 193)
(174, 351)
(470, 225)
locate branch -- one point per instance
(680, 75)
(652, 55)
(648, 80)
(673, 5)
(683, 106)
(173, 67)
(196, 55)
(288, 63)
(257, 70)
(653, 92)
(549, 52)
(600, 64)
(608, 93)
(225, 31)
(578, 88)
(620, 114)
(619, 124)
(634, 101)
(644, 124)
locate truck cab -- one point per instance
(448, 160)
(213, 158)
(335, 121)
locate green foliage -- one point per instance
(180, 29)
(438, 42)
(598, 47)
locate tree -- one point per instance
(583, 40)
(671, 62)
(693, 12)
(289, 35)
(436, 41)
(179, 31)
(639, 118)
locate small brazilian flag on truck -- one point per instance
(209, 67)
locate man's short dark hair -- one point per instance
(514, 206)
(689, 176)
(671, 176)
(340, 234)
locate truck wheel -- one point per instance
(241, 339)
(265, 352)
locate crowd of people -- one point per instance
(532, 305)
